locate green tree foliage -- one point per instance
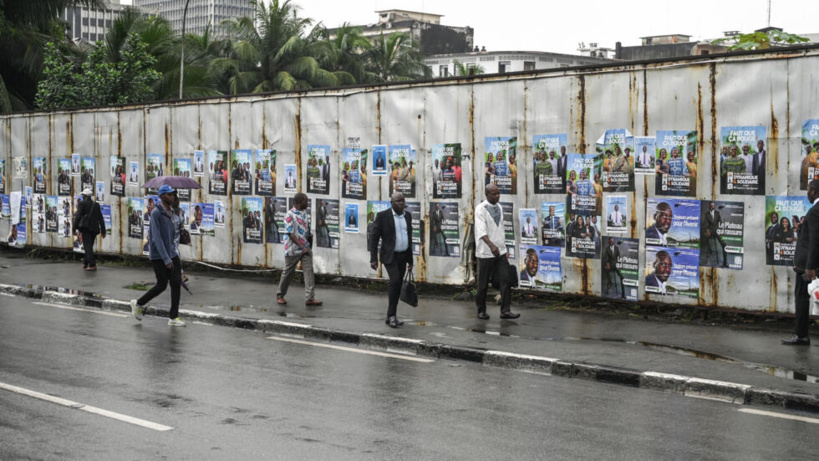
(395, 58)
(462, 69)
(760, 40)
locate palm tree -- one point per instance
(462, 69)
(346, 54)
(396, 58)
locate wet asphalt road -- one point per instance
(232, 394)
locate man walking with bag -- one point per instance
(490, 250)
(805, 264)
(89, 223)
(297, 243)
(393, 228)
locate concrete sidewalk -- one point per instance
(738, 364)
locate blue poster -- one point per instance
(380, 160)
(673, 222)
(552, 224)
(549, 162)
(617, 169)
(672, 271)
(584, 193)
(106, 218)
(676, 163)
(743, 160)
(540, 268)
(501, 164)
(351, 218)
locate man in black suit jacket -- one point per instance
(805, 263)
(393, 228)
(711, 220)
(89, 222)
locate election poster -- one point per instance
(742, 160)
(446, 242)
(583, 197)
(17, 231)
(617, 214)
(133, 174)
(617, 168)
(402, 169)
(5, 208)
(509, 227)
(146, 240)
(38, 214)
(672, 271)
(290, 183)
(40, 173)
(2, 176)
(117, 175)
(207, 226)
(185, 215)
(198, 162)
(327, 223)
(373, 208)
(379, 160)
(809, 153)
(87, 177)
(500, 167)
(240, 174)
(64, 216)
(252, 221)
(554, 234)
(783, 219)
(528, 226)
(548, 150)
(620, 268)
(154, 168)
(540, 268)
(99, 191)
(275, 209)
(218, 214)
(318, 169)
(182, 167)
(106, 218)
(151, 201)
(673, 222)
(446, 171)
(265, 172)
(75, 165)
(28, 193)
(582, 236)
(351, 218)
(417, 229)
(197, 217)
(722, 229)
(676, 163)
(218, 172)
(51, 214)
(644, 154)
(354, 173)
(291, 203)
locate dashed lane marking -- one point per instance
(80, 309)
(351, 349)
(772, 414)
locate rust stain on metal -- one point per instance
(787, 131)
(772, 301)
(378, 117)
(265, 141)
(712, 81)
(297, 153)
(700, 140)
(773, 141)
(634, 212)
(581, 116)
(645, 102)
(580, 265)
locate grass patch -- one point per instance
(139, 286)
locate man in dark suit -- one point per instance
(436, 219)
(805, 263)
(610, 273)
(321, 224)
(759, 159)
(89, 222)
(663, 218)
(393, 228)
(770, 233)
(325, 169)
(662, 270)
(711, 220)
(561, 165)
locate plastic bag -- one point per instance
(813, 290)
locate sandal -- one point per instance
(281, 301)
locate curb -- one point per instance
(740, 394)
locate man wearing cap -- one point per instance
(165, 258)
(88, 222)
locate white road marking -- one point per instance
(80, 309)
(780, 415)
(351, 349)
(7, 294)
(86, 408)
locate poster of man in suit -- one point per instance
(552, 226)
(445, 242)
(722, 229)
(240, 175)
(672, 271)
(742, 172)
(528, 223)
(327, 223)
(275, 209)
(540, 268)
(620, 264)
(548, 149)
(318, 169)
(264, 173)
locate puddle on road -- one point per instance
(67, 291)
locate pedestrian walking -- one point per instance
(393, 228)
(805, 264)
(165, 258)
(88, 223)
(297, 243)
(490, 250)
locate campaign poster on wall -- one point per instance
(351, 218)
(185, 215)
(509, 227)
(437, 243)
(446, 170)
(810, 153)
(617, 214)
(617, 168)
(2, 176)
(783, 219)
(528, 226)
(353, 174)
(265, 173)
(197, 218)
(51, 213)
(380, 160)
(722, 229)
(207, 227)
(552, 224)
(290, 183)
(620, 267)
(240, 173)
(327, 223)
(540, 268)
(182, 167)
(106, 218)
(252, 221)
(38, 213)
(402, 174)
(501, 164)
(742, 160)
(275, 209)
(582, 236)
(644, 154)
(5, 208)
(549, 179)
(218, 214)
(291, 203)
(198, 162)
(87, 177)
(676, 163)
(672, 271)
(100, 191)
(218, 172)
(75, 164)
(28, 193)
(373, 208)
(146, 239)
(17, 231)
(40, 173)
(64, 216)
(449, 235)
(151, 201)
(318, 169)
(154, 168)
(673, 222)
(417, 229)
(117, 176)
(133, 173)
(583, 196)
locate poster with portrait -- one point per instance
(28, 193)
(265, 173)
(500, 166)
(584, 195)
(402, 169)
(351, 218)
(185, 215)
(673, 223)
(151, 201)
(218, 214)
(645, 154)
(5, 207)
(672, 271)
(509, 227)
(133, 174)
(75, 165)
(182, 167)
(617, 168)
(106, 218)
(18, 230)
(552, 227)
(217, 172)
(528, 226)
(290, 182)
(117, 175)
(327, 223)
(445, 239)
(783, 220)
(207, 226)
(240, 172)
(51, 214)
(620, 268)
(540, 268)
(318, 169)
(99, 192)
(136, 207)
(353, 174)
(2, 176)
(722, 229)
(38, 214)
(548, 168)
(146, 240)
(198, 163)
(617, 214)
(417, 228)
(275, 209)
(742, 160)
(154, 168)
(373, 208)
(87, 177)
(446, 170)
(64, 215)
(252, 220)
(809, 153)
(39, 171)
(379, 160)
(582, 236)
(676, 163)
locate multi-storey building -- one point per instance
(201, 13)
(88, 24)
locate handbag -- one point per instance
(512, 277)
(408, 292)
(184, 236)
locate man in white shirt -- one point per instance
(437, 173)
(528, 228)
(290, 182)
(749, 159)
(646, 160)
(490, 251)
(617, 219)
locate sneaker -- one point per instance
(136, 309)
(177, 322)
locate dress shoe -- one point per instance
(509, 315)
(313, 302)
(483, 316)
(796, 341)
(393, 322)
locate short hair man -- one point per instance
(297, 249)
(393, 228)
(805, 264)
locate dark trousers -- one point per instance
(802, 299)
(88, 245)
(163, 276)
(396, 270)
(496, 269)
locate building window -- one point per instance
(503, 67)
(528, 65)
(443, 71)
(704, 52)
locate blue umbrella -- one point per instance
(177, 182)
